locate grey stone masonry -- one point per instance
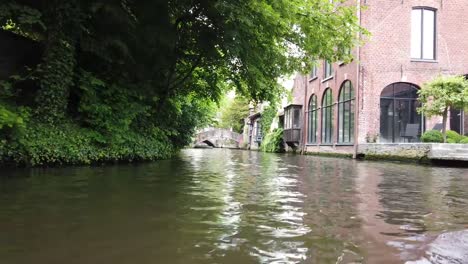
(449, 152)
(395, 150)
(432, 151)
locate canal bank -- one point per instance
(425, 153)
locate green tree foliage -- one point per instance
(133, 80)
(233, 114)
(442, 94)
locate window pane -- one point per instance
(341, 122)
(312, 127)
(416, 33)
(351, 122)
(296, 118)
(387, 91)
(346, 120)
(286, 119)
(315, 116)
(386, 120)
(327, 69)
(405, 90)
(327, 111)
(428, 34)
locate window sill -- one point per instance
(422, 60)
(313, 78)
(327, 79)
(312, 145)
(344, 144)
(327, 144)
(344, 63)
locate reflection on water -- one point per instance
(228, 206)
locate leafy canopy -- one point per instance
(443, 92)
(151, 71)
(233, 114)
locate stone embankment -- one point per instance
(415, 151)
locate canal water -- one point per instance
(232, 206)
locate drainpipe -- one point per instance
(358, 86)
(304, 117)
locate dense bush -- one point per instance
(453, 137)
(433, 136)
(10, 119)
(43, 144)
(464, 140)
(273, 141)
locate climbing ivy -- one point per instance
(273, 141)
(268, 115)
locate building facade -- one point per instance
(373, 99)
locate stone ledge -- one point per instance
(414, 151)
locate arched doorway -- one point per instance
(399, 120)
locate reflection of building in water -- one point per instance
(331, 207)
(404, 207)
(374, 228)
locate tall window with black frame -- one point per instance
(327, 117)
(312, 120)
(346, 113)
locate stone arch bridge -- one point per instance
(218, 138)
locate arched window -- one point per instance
(346, 113)
(399, 120)
(327, 116)
(312, 122)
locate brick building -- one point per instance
(374, 98)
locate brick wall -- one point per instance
(385, 59)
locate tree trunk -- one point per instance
(444, 124)
(59, 62)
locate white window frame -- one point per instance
(419, 33)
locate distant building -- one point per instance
(374, 98)
(253, 131)
(255, 134)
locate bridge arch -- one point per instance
(218, 138)
(209, 143)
